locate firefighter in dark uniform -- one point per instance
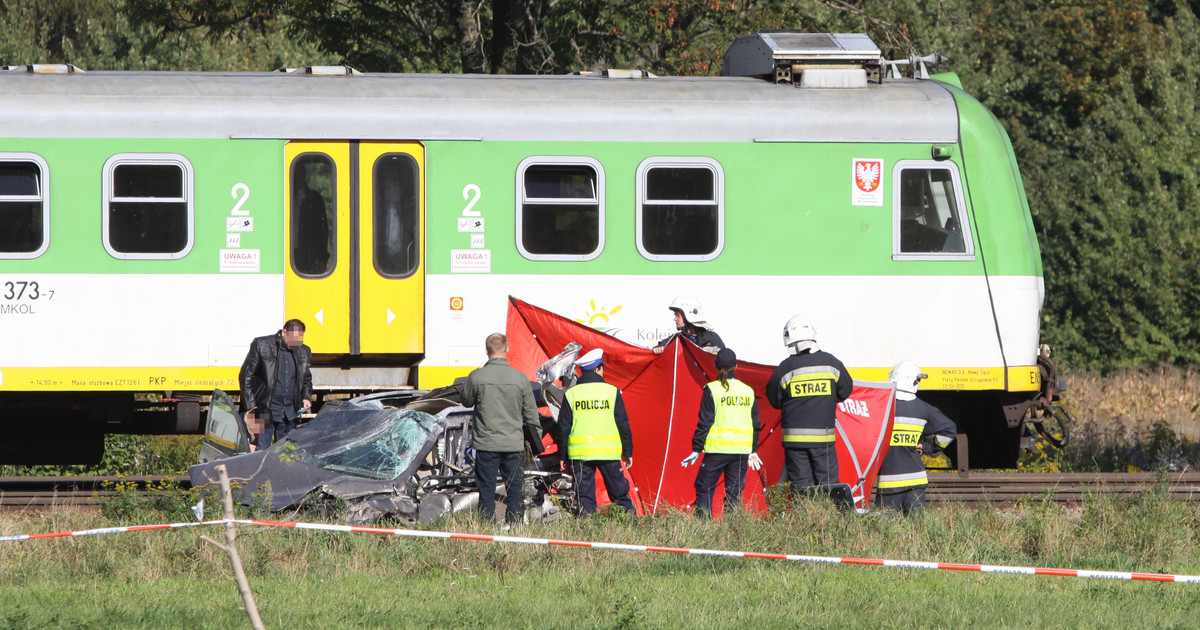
(807, 387)
(919, 428)
(691, 324)
(593, 430)
(727, 434)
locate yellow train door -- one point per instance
(354, 240)
(391, 228)
(317, 188)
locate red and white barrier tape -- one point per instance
(417, 533)
(108, 530)
(984, 568)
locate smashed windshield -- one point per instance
(379, 443)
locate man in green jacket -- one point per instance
(503, 399)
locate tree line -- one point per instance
(1098, 97)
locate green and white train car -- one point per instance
(152, 224)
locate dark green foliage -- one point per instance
(111, 35)
(128, 455)
(1099, 101)
(504, 36)
(500, 36)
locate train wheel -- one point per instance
(1052, 424)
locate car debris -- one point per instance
(403, 455)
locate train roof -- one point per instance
(469, 107)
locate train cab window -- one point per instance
(680, 208)
(24, 215)
(396, 208)
(560, 208)
(148, 206)
(313, 229)
(929, 217)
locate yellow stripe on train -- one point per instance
(118, 379)
(1020, 379)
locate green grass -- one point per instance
(713, 595)
(310, 579)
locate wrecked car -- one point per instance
(403, 455)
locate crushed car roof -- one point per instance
(358, 448)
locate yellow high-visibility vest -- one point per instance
(594, 425)
(732, 430)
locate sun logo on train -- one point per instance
(602, 315)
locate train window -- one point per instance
(148, 206)
(314, 225)
(680, 208)
(24, 215)
(560, 208)
(929, 217)
(396, 207)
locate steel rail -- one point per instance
(976, 488)
(44, 492)
(1057, 487)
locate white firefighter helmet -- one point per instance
(907, 376)
(798, 329)
(693, 313)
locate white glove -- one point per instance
(755, 461)
(689, 459)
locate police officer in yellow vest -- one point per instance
(593, 429)
(920, 428)
(727, 434)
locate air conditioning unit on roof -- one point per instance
(806, 59)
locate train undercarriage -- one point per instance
(69, 428)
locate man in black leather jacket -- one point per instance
(276, 382)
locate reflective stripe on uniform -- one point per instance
(591, 447)
(732, 430)
(729, 441)
(919, 422)
(810, 436)
(903, 480)
(814, 380)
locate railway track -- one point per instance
(39, 493)
(1057, 487)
